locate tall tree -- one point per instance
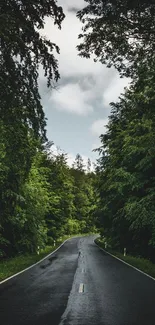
(61, 207)
(78, 163)
(126, 178)
(22, 50)
(88, 165)
(83, 191)
(18, 148)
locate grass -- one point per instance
(16, 264)
(140, 263)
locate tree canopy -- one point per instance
(38, 191)
(119, 33)
(126, 177)
(22, 50)
(42, 202)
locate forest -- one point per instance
(122, 34)
(41, 197)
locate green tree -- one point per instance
(83, 195)
(126, 179)
(78, 163)
(22, 51)
(61, 195)
(88, 165)
(30, 230)
(119, 33)
(18, 148)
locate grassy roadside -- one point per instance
(140, 263)
(16, 264)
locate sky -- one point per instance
(78, 109)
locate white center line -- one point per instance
(81, 288)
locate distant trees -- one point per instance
(43, 202)
(83, 190)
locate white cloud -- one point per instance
(99, 127)
(102, 83)
(67, 39)
(85, 87)
(55, 151)
(70, 63)
(115, 89)
(71, 159)
(67, 4)
(96, 145)
(71, 98)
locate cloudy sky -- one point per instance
(78, 109)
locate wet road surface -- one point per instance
(69, 288)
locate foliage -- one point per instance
(126, 176)
(41, 198)
(47, 202)
(84, 194)
(23, 50)
(18, 148)
(119, 33)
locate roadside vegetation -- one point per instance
(121, 34)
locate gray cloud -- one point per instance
(73, 10)
(80, 103)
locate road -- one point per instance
(68, 288)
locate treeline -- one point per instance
(126, 170)
(122, 34)
(41, 198)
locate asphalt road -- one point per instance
(69, 288)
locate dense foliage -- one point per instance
(121, 33)
(126, 174)
(118, 32)
(38, 191)
(48, 201)
(23, 50)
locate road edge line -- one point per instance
(29, 267)
(135, 268)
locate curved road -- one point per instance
(78, 285)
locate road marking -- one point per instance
(81, 288)
(117, 258)
(83, 270)
(14, 275)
